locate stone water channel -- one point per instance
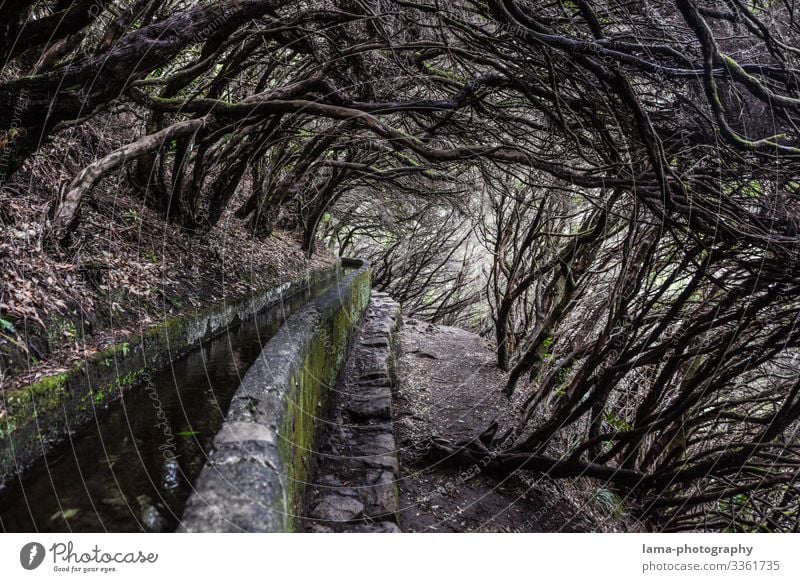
(133, 468)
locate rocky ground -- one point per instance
(352, 487)
(449, 387)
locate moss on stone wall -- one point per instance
(313, 385)
(289, 388)
(22, 406)
(35, 417)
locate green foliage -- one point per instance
(6, 325)
(545, 349)
(132, 217)
(609, 502)
(616, 422)
(128, 379)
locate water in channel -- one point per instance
(133, 467)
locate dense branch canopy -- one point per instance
(629, 170)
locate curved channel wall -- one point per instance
(255, 476)
(35, 418)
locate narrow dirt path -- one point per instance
(449, 386)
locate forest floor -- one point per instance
(125, 271)
(450, 387)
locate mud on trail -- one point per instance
(449, 386)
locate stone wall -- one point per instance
(256, 473)
(354, 486)
(35, 418)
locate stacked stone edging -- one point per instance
(255, 476)
(355, 486)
